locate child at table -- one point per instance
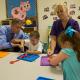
(34, 45)
(69, 55)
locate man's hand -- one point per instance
(14, 45)
(17, 42)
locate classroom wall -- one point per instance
(41, 4)
(2, 10)
(43, 24)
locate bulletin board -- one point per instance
(16, 3)
(32, 13)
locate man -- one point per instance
(9, 35)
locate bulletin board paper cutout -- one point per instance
(20, 12)
(3, 54)
(16, 3)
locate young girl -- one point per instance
(69, 56)
(34, 45)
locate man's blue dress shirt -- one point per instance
(6, 36)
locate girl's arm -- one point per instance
(55, 60)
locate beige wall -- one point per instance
(43, 24)
(2, 10)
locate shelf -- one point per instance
(29, 29)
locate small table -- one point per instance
(23, 70)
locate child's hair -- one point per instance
(74, 40)
(35, 34)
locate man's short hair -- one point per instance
(16, 21)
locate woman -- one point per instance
(60, 25)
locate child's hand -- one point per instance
(53, 61)
(50, 60)
(29, 51)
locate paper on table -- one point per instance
(44, 61)
(3, 54)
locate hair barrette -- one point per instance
(70, 31)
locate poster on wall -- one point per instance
(23, 10)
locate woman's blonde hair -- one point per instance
(60, 6)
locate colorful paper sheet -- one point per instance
(3, 54)
(44, 61)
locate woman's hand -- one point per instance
(49, 52)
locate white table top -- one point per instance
(24, 70)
